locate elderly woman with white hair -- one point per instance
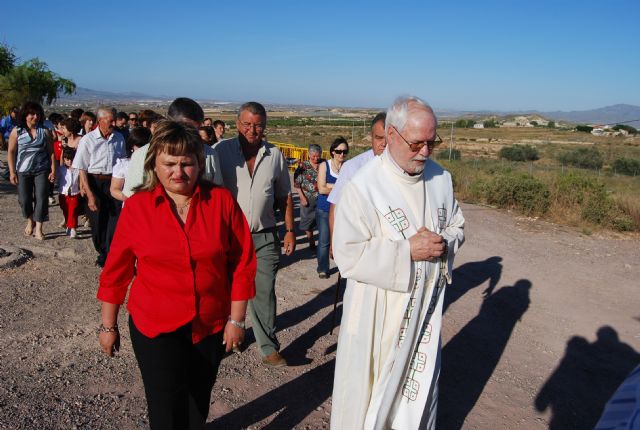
(306, 183)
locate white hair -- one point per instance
(398, 112)
(103, 111)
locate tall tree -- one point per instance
(31, 80)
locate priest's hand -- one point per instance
(426, 245)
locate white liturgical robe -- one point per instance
(388, 358)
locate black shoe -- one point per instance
(100, 261)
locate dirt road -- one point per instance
(541, 325)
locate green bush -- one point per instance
(598, 208)
(584, 128)
(521, 191)
(586, 158)
(519, 153)
(626, 166)
(444, 155)
(574, 187)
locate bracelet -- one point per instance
(239, 324)
(103, 329)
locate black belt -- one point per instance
(101, 176)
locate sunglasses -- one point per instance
(341, 151)
(417, 146)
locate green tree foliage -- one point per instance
(627, 128)
(586, 158)
(519, 153)
(551, 124)
(31, 80)
(534, 123)
(7, 59)
(444, 154)
(584, 128)
(626, 166)
(489, 124)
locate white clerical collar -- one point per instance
(390, 163)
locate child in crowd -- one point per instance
(69, 190)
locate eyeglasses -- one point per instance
(341, 151)
(248, 126)
(133, 119)
(417, 146)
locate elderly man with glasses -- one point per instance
(397, 228)
(256, 173)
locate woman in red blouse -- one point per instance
(189, 246)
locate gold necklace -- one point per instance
(181, 208)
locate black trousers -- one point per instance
(178, 376)
(103, 221)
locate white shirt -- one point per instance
(120, 168)
(349, 168)
(98, 155)
(68, 181)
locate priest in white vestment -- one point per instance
(397, 229)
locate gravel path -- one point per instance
(542, 324)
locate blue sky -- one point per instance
(498, 55)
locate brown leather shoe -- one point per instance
(274, 360)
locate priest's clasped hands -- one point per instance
(426, 245)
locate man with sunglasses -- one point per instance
(397, 229)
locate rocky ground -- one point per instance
(541, 325)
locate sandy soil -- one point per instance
(542, 323)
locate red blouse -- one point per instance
(188, 274)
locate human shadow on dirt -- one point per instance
(292, 401)
(484, 338)
(301, 313)
(587, 376)
(472, 275)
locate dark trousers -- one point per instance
(33, 194)
(178, 376)
(103, 221)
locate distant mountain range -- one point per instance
(616, 114)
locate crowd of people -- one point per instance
(184, 222)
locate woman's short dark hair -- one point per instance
(122, 115)
(211, 134)
(86, 115)
(76, 113)
(30, 108)
(177, 139)
(72, 124)
(139, 137)
(337, 142)
(55, 118)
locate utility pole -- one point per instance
(451, 142)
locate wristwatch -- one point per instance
(239, 324)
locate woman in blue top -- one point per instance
(327, 176)
(32, 165)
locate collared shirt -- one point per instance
(97, 154)
(349, 168)
(68, 181)
(183, 274)
(255, 194)
(135, 171)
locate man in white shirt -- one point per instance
(96, 155)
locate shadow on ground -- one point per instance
(587, 376)
(471, 356)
